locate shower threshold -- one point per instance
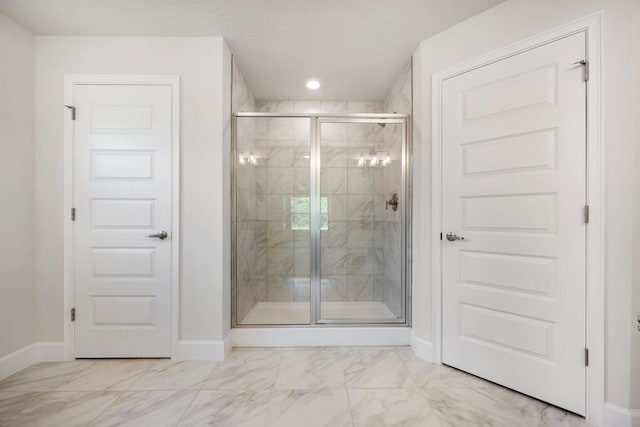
(297, 313)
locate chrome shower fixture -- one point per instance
(393, 202)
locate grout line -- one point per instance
(385, 388)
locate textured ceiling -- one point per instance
(356, 48)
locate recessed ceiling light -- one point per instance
(313, 84)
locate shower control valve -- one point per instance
(393, 202)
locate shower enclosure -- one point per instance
(321, 214)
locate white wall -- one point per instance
(224, 156)
(635, 301)
(17, 308)
(507, 23)
(199, 62)
(421, 219)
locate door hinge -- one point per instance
(586, 214)
(73, 314)
(73, 111)
(73, 214)
(586, 357)
(585, 64)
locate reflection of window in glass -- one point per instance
(301, 213)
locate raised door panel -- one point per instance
(514, 187)
(123, 175)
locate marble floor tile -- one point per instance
(375, 369)
(109, 375)
(550, 416)
(67, 409)
(463, 407)
(280, 387)
(228, 408)
(309, 408)
(534, 412)
(427, 374)
(245, 370)
(45, 376)
(391, 408)
(304, 369)
(146, 408)
(175, 375)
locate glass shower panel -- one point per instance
(361, 213)
(272, 221)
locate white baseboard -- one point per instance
(50, 351)
(313, 337)
(29, 355)
(423, 349)
(202, 350)
(617, 416)
(18, 360)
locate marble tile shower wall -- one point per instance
(399, 101)
(352, 267)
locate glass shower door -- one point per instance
(320, 213)
(360, 198)
(272, 221)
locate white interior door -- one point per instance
(122, 193)
(514, 185)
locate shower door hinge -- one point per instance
(73, 111)
(73, 214)
(586, 357)
(586, 214)
(73, 314)
(585, 64)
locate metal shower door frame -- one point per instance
(315, 297)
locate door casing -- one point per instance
(71, 80)
(591, 26)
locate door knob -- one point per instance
(159, 235)
(452, 237)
